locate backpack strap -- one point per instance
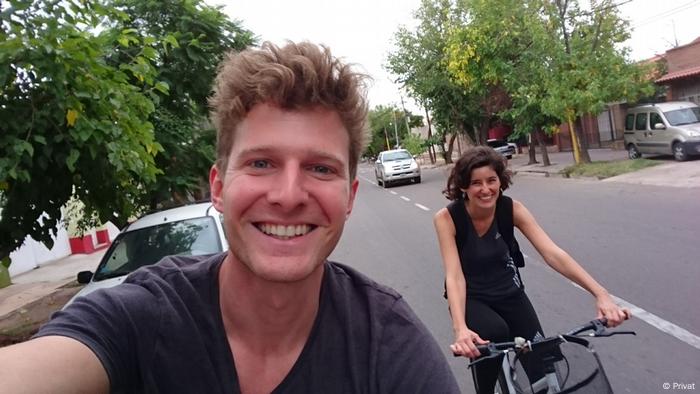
(504, 219)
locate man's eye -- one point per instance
(322, 169)
(260, 164)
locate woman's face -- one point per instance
(484, 187)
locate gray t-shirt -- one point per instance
(161, 331)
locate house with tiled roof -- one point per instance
(682, 78)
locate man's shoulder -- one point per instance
(348, 279)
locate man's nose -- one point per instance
(288, 189)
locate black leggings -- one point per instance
(500, 321)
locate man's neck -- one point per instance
(263, 314)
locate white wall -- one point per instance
(32, 253)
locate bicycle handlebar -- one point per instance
(598, 326)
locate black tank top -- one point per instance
(488, 267)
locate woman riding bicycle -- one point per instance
(485, 293)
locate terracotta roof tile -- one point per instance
(679, 74)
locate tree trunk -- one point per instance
(583, 142)
(543, 146)
(450, 146)
(531, 150)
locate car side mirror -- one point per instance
(84, 277)
(659, 126)
(377, 162)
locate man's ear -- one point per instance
(351, 198)
(216, 186)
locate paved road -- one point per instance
(641, 250)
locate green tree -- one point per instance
(591, 67)
(191, 39)
(387, 123)
(414, 144)
(419, 62)
(70, 122)
(553, 60)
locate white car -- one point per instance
(394, 166)
(507, 149)
(190, 230)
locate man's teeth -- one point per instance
(284, 231)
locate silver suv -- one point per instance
(394, 166)
(663, 128)
(190, 230)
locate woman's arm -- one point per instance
(456, 286)
(560, 261)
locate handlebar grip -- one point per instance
(485, 350)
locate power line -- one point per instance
(667, 13)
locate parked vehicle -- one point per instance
(671, 128)
(396, 165)
(191, 230)
(503, 147)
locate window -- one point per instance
(629, 122)
(640, 122)
(683, 116)
(655, 118)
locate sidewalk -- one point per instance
(45, 279)
(670, 173)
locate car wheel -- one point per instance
(633, 152)
(509, 157)
(678, 152)
(417, 179)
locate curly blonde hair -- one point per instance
(296, 76)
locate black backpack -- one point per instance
(504, 219)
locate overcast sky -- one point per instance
(361, 31)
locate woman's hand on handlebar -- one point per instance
(610, 310)
(465, 343)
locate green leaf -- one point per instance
(72, 159)
(162, 87)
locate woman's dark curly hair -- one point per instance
(475, 157)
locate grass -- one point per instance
(607, 169)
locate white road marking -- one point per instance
(423, 207)
(657, 322)
(393, 192)
(405, 198)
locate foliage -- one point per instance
(420, 66)
(607, 169)
(388, 123)
(71, 123)
(554, 60)
(191, 39)
(414, 144)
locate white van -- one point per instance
(663, 128)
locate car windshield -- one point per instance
(391, 156)
(683, 116)
(137, 248)
(497, 143)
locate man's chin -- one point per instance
(286, 270)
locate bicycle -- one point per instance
(554, 355)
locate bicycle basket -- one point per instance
(577, 368)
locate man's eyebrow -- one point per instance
(312, 152)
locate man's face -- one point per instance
(286, 191)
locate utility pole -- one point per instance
(396, 128)
(405, 114)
